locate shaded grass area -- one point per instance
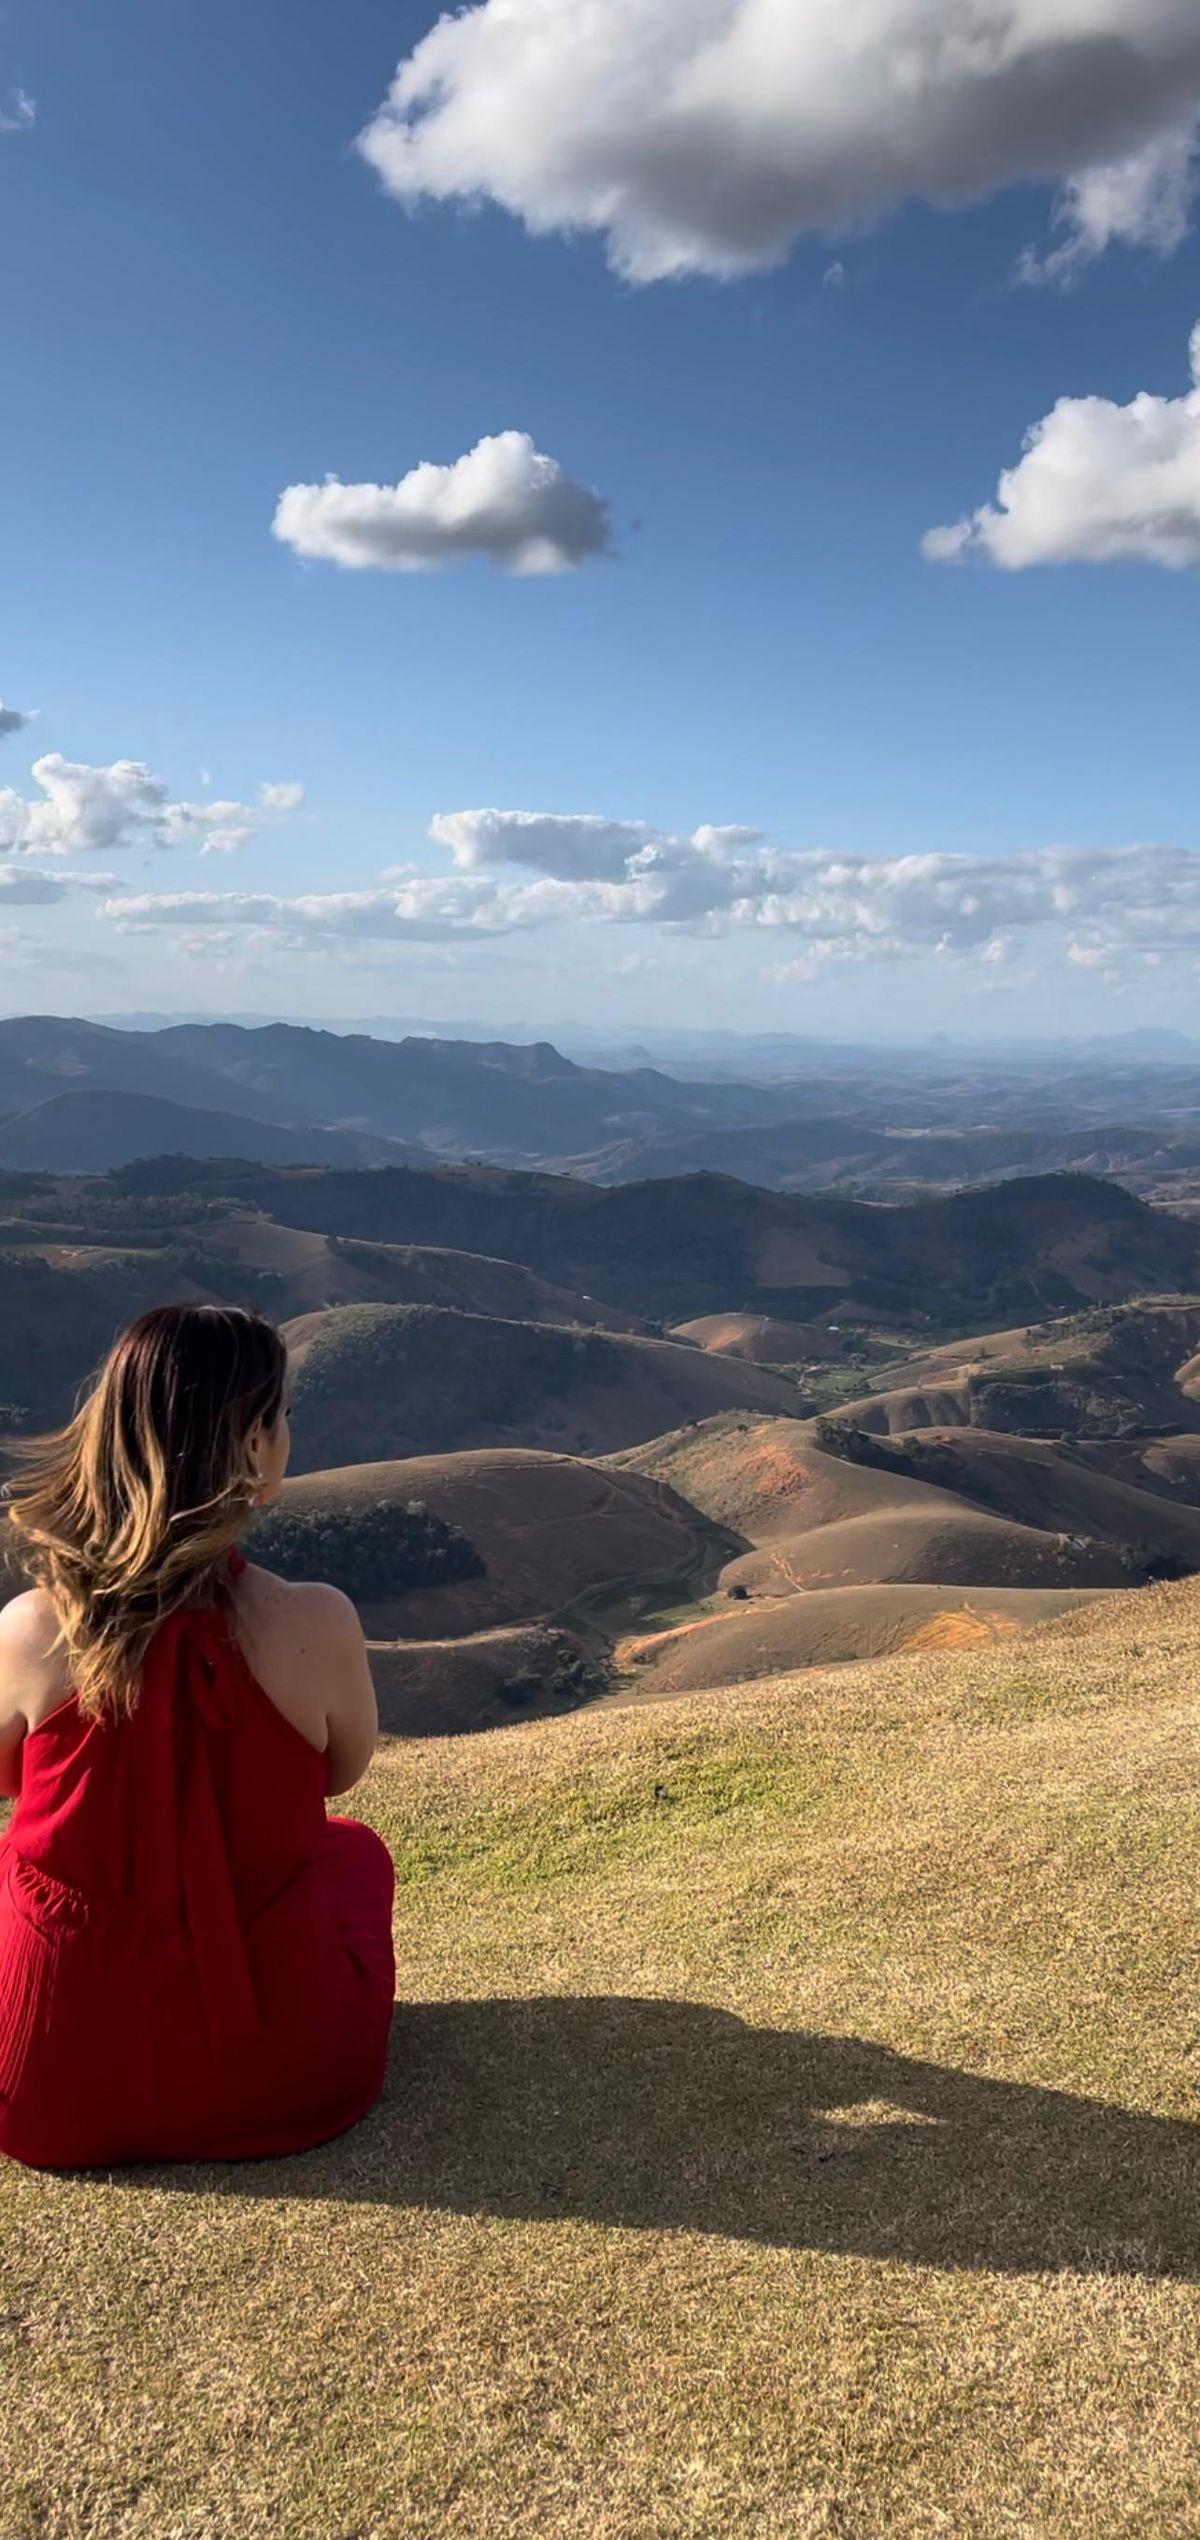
(791, 2129)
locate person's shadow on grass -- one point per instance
(676, 2116)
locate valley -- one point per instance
(574, 1444)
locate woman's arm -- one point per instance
(339, 1652)
(30, 1673)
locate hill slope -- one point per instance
(935, 1540)
(57, 1322)
(376, 1381)
(827, 1627)
(1106, 1373)
(761, 2153)
(703, 1245)
(550, 1530)
(92, 1132)
(315, 1271)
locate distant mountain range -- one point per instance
(78, 1097)
(516, 1104)
(727, 1052)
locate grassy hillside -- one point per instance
(938, 1538)
(726, 1643)
(375, 1381)
(820, 1520)
(705, 1244)
(761, 2153)
(314, 1271)
(521, 1627)
(764, 1339)
(59, 1316)
(1109, 1372)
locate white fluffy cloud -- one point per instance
(1090, 907)
(84, 810)
(11, 720)
(505, 500)
(1146, 200)
(1097, 482)
(577, 846)
(704, 136)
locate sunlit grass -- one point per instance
(791, 2130)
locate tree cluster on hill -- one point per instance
(383, 1550)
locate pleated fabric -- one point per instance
(195, 1959)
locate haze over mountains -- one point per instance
(78, 1097)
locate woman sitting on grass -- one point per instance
(195, 1961)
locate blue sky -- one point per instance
(210, 297)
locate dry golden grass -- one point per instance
(792, 2131)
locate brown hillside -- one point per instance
(317, 1271)
(765, 1478)
(1107, 1372)
(827, 1627)
(551, 1530)
(763, 1339)
(994, 1525)
(936, 1540)
(373, 1382)
(773, 1482)
(704, 1243)
(1107, 1488)
(449, 1688)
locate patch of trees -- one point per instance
(1045, 1402)
(179, 1176)
(235, 1282)
(1150, 1567)
(567, 1677)
(385, 1549)
(923, 1459)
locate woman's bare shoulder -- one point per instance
(304, 1611)
(33, 1665)
(29, 1627)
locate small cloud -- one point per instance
(1097, 483)
(1142, 201)
(834, 276)
(81, 809)
(504, 501)
(281, 797)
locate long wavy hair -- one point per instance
(131, 1511)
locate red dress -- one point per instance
(195, 1962)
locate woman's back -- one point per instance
(194, 1961)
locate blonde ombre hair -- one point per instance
(131, 1511)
